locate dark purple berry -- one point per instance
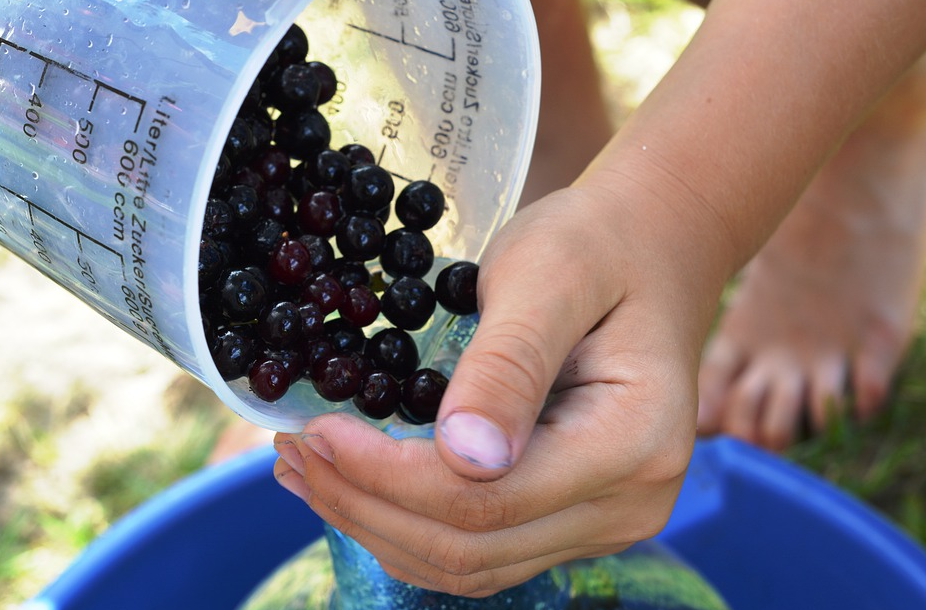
(290, 262)
(338, 380)
(269, 380)
(291, 359)
(281, 325)
(351, 273)
(251, 101)
(318, 213)
(223, 173)
(379, 395)
(344, 336)
(327, 80)
(407, 252)
(358, 154)
(421, 395)
(360, 306)
(243, 295)
(321, 254)
(277, 203)
(369, 188)
(325, 290)
(273, 166)
(408, 303)
(261, 125)
(360, 238)
(393, 350)
(233, 351)
(455, 288)
(302, 133)
(248, 176)
(317, 352)
(420, 205)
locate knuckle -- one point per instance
(515, 362)
(455, 556)
(484, 508)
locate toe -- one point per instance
(743, 404)
(781, 412)
(721, 362)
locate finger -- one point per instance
(571, 459)
(291, 480)
(490, 582)
(503, 377)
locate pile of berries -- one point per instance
(290, 225)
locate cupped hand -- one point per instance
(567, 425)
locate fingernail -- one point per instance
(476, 440)
(319, 445)
(290, 454)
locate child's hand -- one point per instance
(585, 310)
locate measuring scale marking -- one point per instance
(56, 114)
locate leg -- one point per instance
(827, 307)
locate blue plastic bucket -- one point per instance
(766, 534)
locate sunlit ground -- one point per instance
(92, 422)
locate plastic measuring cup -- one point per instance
(113, 115)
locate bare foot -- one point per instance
(827, 308)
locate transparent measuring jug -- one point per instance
(114, 113)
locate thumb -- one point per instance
(526, 330)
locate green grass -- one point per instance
(881, 462)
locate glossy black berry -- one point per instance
(302, 133)
(211, 262)
(261, 125)
(351, 273)
(292, 47)
(360, 237)
(338, 380)
(407, 252)
(294, 87)
(218, 219)
(331, 169)
(379, 395)
(408, 303)
(289, 262)
(369, 188)
(321, 254)
(421, 395)
(455, 288)
(245, 206)
(242, 295)
(268, 379)
(344, 336)
(393, 350)
(258, 245)
(281, 325)
(420, 205)
(327, 80)
(240, 143)
(313, 320)
(358, 154)
(233, 351)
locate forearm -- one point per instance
(763, 94)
